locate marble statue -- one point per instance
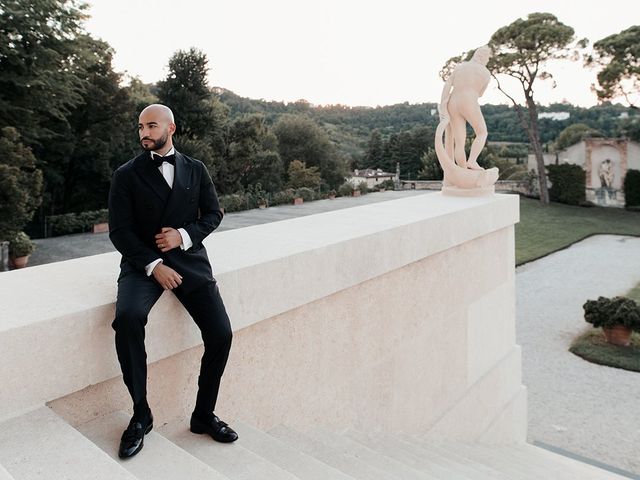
(459, 105)
(605, 172)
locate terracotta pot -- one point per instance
(356, 193)
(18, 262)
(100, 228)
(332, 197)
(262, 206)
(298, 201)
(618, 335)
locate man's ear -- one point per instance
(172, 128)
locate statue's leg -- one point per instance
(476, 120)
(459, 130)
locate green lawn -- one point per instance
(545, 229)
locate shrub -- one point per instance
(345, 190)
(607, 312)
(363, 187)
(233, 203)
(306, 193)
(21, 245)
(632, 188)
(281, 198)
(68, 223)
(388, 184)
(568, 184)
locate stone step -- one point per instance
(41, 445)
(413, 457)
(285, 456)
(232, 459)
(586, 471)
(4, 475)
(159, 458)
(528, 462)
(458, 458)
(375, 458)
(347, 463)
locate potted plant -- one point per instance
(262, 202)
(20, 247)
(618, 317)
(332, 194)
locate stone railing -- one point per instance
(398, 314)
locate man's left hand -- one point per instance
(168, 239)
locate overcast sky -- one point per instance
(353, 52)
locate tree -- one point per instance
(618, 56)
(39, 82)
(573, 134)
(521, 50)
(20, 184)
(201, 120)
(301, 176)
(373, 159)
(252, 155)
(300, 138)
(431, 169)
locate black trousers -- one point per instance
(137, 293)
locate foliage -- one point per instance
(522, 50)
(300, 138)
(39, 80)
(67, 223)
(431, 169)
(305, 193)
(618, 56)
(632, 188)
(573, 134)
(301, 176)
(346, 189)
(608, 312)
(568, 183)
(388, 185)
(21, 245)
(233, 202)
(20, 184)
(363, 187)
(284, 197)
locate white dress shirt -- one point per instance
(168, 172)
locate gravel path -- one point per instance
(578, 406)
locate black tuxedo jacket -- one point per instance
(141, 203)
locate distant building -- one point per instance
(605, 161)
(372, 176)
(555, 115)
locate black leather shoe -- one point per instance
(133, 437)
(219, 430)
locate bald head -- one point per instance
(482, 54)
(159, 111)
(156, 128)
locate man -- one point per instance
(162, 205)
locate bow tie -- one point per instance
(158, 160)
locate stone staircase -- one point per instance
(41, 445)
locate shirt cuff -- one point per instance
(186, 239)
(149, 268)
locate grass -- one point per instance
(592, 346)
(544, 229)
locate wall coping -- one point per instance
(428, 223)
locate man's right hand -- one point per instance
(167, 277)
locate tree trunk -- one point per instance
(534, 137)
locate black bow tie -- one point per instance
(158, 160)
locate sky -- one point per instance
(351, 52)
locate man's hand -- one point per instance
(168, 239)
(167, 277)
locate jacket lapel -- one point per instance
(152, 176)
(180, 190)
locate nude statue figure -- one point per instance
(459, 105)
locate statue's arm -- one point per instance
(446, 94)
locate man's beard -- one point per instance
(156, 144)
